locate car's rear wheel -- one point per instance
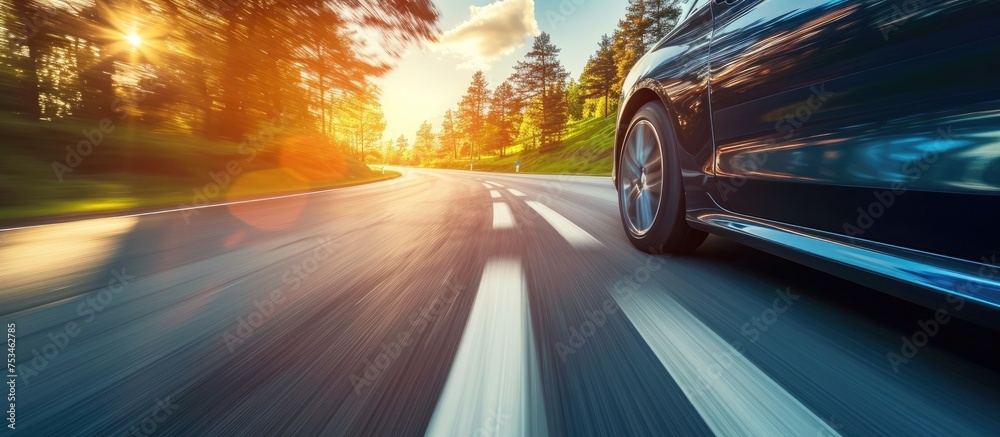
(650, 188)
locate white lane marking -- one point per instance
(576, 236)
(731, 394)
(494, 386)
(516, 193)
(495, 194)
(494, 183)
(488, 186)
(502, 217)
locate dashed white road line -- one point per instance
(731, 394)
(488, 186)
(495, 194)
(576, 236)
(503, 218)
(494, 183)
(516, 193)
(494, 387)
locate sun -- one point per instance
(134, 39)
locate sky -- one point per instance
(491, 35)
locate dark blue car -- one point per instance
(860, 137)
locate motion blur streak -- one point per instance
(386, 288)
(732, 395)
(53, 257)
(494, 386)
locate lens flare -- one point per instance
(134, 39)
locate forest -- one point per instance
(118, 104)
(131, 104)
(537, 108)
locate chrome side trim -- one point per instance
(868, 262)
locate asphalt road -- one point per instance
(461, 304)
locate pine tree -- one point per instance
(662, 16)
(575, 99)
(541, 80)
(646, 22)
(504, 116)
(423, 144)
(402, 147)
(630, 38)
(601, 73)
(449, 135)
(361, 120)
(472, 113)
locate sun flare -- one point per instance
(134, 39)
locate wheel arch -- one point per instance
(646, 91)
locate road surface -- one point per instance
(462, 304)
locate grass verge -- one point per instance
(66, 170)
(587, 149)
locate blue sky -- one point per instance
(430, 80)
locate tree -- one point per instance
(472, 113)
(541, 80)
(254, 59)
(662, 16)
(326, 57)
(600, 75)
(423, 145)
(263, 38)
(504, 116)
(26, 12)
(98, 80)
(532, 118)
(646, 22)
(450, 136)
(361, 121)
(574, 100)
(630, 39)
(402, 147)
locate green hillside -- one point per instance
(586, 150)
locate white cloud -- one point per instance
(491, 32)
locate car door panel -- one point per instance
(821, 108)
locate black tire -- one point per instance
(653, 214)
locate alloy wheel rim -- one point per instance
(642, 178)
